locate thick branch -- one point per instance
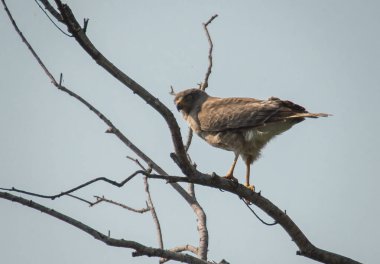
(78, 33)
(306, 248)
(140, 249)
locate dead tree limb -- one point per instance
(100, 199)
(141, 250)
(196, 207)
(80, 36)
(154, 214)
(203, 85)
(51, 10)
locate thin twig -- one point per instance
(137, 162)
(85, 24)
(204, 85)
(150, 202)
(189, 139)
(52, 10)
(172, 92)
(103, 199)
(259, 218)
(27, 43)
(154, 214)
(79, 198)
(115, 183)
(189, 248)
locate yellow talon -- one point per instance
(251, 187)
(231, 177)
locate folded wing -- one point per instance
(219, 114)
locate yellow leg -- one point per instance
(247, 174)
(230, 173)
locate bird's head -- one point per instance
(186, 100)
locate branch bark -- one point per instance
(141, 250)
(204, 84)
(80, 36)
(306, 248)
(103, 199)
(196, 207)
(154, 214)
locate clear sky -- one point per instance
(323, 55)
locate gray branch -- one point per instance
(198, 210)
(140, 249)
(103, 199)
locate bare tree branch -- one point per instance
(189, 248)
(140, 248)
(83, 40)
(150, 203)
(154, 214)
(137, 162)
(181, 155)
(189, 139)
(191, 190)
(204, 85)
(51, 10)
(115, 183)
(306, 248)
(103, 199)
(198, 210)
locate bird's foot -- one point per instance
(251, 187)
(231, 177)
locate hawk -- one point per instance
(241, 125)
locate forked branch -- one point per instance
(141, 250)
(79, 34)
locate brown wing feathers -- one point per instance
(218, 114)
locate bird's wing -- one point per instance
(218, 114)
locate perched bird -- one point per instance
(241, 125)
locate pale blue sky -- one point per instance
(323, 55)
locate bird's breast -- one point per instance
(193, 122)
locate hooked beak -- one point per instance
(179, 107)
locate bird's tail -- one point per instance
(310, 115)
